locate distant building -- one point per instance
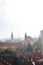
(10, 43)
(18, 43)
(41, 39)
(27, 40)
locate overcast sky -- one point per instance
(20, 16)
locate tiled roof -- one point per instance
(29, 38)
(10, 43)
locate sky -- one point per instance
(20, 17)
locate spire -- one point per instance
(25, 35)
(11, 35)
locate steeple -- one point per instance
(11, 35)
(25, 35)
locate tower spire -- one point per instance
(25, 35)
(11, 35)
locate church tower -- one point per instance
(11, 35)
(25, 35)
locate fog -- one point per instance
(20, 16)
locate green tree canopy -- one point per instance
(29, 47)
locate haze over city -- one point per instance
(20, 16)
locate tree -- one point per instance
(37, 46)
(29, 47)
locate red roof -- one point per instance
(29, 38)
(10, 43)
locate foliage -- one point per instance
(36, 46)
(29, 47)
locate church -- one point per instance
(12, 44)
